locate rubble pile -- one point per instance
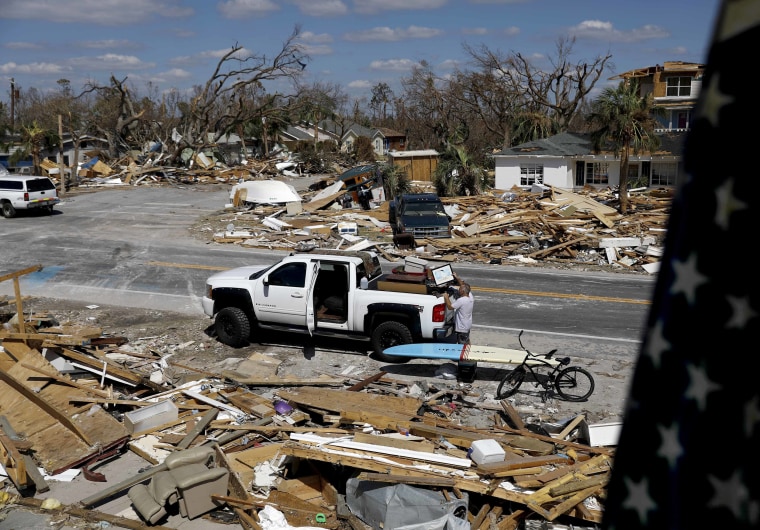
(311, 451)
(528, 227)
(497, 227)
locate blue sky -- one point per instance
(176, 44)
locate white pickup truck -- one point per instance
(330, 293)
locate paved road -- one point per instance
(131, 247)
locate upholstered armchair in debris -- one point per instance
(190, 480)
(196, 486)
(200, 454)
(151, 500)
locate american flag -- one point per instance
(687, 457)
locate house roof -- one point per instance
(580, 144)
(559, 145)
(668, 66)
(386, 132)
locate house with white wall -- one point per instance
(568, 161)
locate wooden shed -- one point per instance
(419, 165)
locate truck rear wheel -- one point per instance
(233, 327)
(387, 334)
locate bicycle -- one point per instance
(571, 383)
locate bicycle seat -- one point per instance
(564, 361)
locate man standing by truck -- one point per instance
(462, 308)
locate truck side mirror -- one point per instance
(265, 280)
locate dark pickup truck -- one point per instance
(418, 215)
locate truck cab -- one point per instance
(420, 215)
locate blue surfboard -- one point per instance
(460, 352)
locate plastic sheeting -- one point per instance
(401, 506)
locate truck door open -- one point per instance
(310, 318)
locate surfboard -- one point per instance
(461, 352)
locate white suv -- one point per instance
(26, 192)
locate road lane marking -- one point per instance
(474, 288)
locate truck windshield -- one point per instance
(424, 208)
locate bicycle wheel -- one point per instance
(510, 383)
(574, 384)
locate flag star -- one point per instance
(728, 203)
(714, 100)
(741, 312)
(687, 278)
(670, 448)
(638, 498)
(751, 416)
(657, 344)
(699, 385)
(731, 493)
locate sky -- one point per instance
(357, 44)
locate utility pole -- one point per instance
(13, 105)
(61, 165)
(264, 127)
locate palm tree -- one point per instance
(33, 140)
(624, 121)
(457, 174)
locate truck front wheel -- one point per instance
(233, 327)
(387, 334)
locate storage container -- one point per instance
(486, 452)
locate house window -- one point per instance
(664, 173)
(597, 173)
(531, 174)
(678, 86)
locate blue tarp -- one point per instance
(91, 163)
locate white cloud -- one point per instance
(602, 30)
(449, 64)
(511, 31)
(105, 12)
(360, 83)
(322, 8)
(245, 8)
(475, 31)
(395, 65)
(387, 34)
(322, 49)
(23, 45)
(320, 38)
(375, 6)
(109, 61)
(33, 68)
(109, 43)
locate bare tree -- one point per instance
(232, 96)
(382, 96)
(557, 92)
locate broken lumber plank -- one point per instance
(521, 462)
(48, 339)
(512, 414)
(13, 462)
(439, 482)
(373, 448)
(44, 405)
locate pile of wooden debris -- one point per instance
(71, 397)
(515, 227)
